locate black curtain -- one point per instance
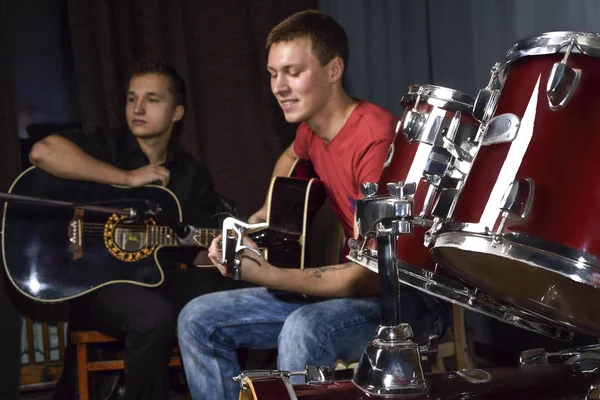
(10, 318)
(232, 122)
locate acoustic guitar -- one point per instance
(54, 254)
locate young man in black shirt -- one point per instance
(144, 318)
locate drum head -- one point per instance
(441, 285)
(537, 280)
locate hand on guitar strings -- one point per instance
(250, 261)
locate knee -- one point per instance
(301, 330)
(192, 321)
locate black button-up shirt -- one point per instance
(190, 180)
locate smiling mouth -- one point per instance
(287, 103)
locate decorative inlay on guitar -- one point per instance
(54, 254)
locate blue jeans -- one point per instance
(305, 332)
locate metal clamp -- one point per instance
(312, 374)
(231, 245)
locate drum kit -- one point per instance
(478, 205)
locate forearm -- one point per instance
(62, 158)
(285, 163)
(340, 280)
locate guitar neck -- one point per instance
(159, 235)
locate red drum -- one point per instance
(419, 155)
(529, 382)
(429, 111)
(545, 260)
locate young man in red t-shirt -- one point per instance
(347, 142)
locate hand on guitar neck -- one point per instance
(252, 254)
(259, 216)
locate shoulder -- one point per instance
(190, 162)
(374, 121)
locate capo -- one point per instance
(232, 248)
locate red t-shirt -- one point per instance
(355, 155)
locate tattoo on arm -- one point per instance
(318, 272)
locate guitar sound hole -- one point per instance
(130, 238)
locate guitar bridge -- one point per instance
(75, 234)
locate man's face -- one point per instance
(298, 80)
(151, 109)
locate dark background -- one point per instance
(66, 62)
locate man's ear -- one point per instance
(179, 111)
(336, 69)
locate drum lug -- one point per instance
(448, 141)
(533, 357)
(516, 205)
(414, 123)
(443, 209)
(562, 82)
(485, 104)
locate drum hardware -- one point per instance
(391, 362)
(448, 139)
(516, 205)
(487, 98)
(413, 125)
(444, 207)
(312, 375)
(501, 129)
(563, 81)
(454, 292)
(475, 376)
(372, 209)
(577, 355)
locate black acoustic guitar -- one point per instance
(54, 254)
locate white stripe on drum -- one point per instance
(512, 163)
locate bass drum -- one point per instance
(548, 382)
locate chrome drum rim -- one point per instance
(549, 281)
(445, 98)
(456, 293)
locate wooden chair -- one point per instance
(82, 341)
(458, 345)
(41, 374)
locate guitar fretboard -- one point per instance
(164, 236)
(204, 237)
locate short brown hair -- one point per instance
(176, 84)
(328, 38)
